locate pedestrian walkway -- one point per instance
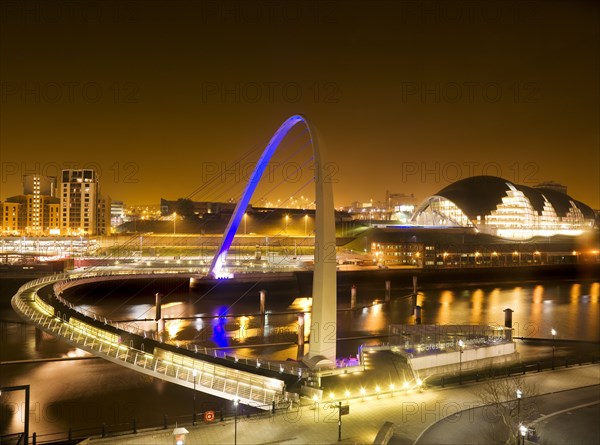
(317, 423)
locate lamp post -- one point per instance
(235, 403)
(194, 373)
(519, 396)
(461, 344)
(340, 421)
(174, 222)
(287, 218)
(245, 219)
(553, 332)
(26, 417)
(305, 224)
(523, 431)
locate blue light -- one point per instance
(242, 205)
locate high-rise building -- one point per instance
(79, 202)
(38, 184)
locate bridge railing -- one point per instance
(251, 388)
(64, 281)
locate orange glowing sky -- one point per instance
(408, 96)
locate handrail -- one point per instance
(214, 378)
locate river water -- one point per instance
(84, 394)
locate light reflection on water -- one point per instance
(570, 308)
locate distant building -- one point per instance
(498, 207)
(83, 210)
(397, 207)
(117, 213)
(167, 208)
(104, 216)
(40, 185)
(35, 212)
(10, 218)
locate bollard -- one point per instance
(164, 421)
(134, 426)
(418, 314)
(353, 296)
(273, 407)
(523, 365)
(158, 315)
(508, 323)
(300, 329)
(263, 297)
(388, 290)
(34, 438)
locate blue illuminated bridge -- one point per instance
(252, 382)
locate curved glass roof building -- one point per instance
(497, 206)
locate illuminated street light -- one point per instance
(523, 431)
(287, 218)
(174, 222)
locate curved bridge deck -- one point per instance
(106, 342)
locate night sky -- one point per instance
(408, 96)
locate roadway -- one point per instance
(411, 412)
(482, 425)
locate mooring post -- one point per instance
(300, 335)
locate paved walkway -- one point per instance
(411, 412)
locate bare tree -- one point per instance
(504, 406)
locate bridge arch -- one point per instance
(322, 349)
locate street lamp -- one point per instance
(287, 218)
(523, 431)
(174, 221)
(553, 332)
(235, 403)
(461, 344)
(245, 219)
(519, 396)
(194, 373)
